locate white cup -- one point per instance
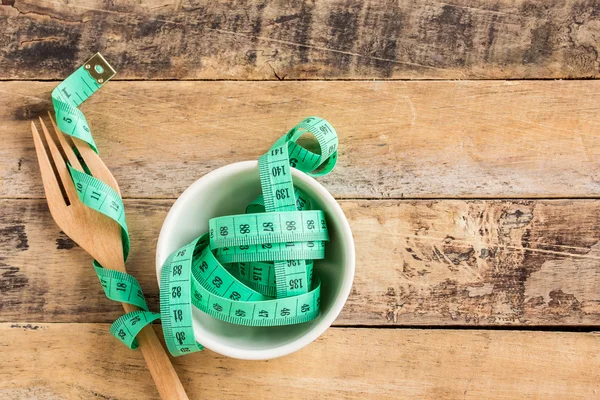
(227, 191)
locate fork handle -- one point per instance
(165, 378)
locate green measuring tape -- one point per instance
(253, 269)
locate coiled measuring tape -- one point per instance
(253, 269)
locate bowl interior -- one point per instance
(227, 191)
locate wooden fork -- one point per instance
(97, 234)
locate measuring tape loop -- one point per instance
(209, 273)
(121, 287)
(129, 325)
(273, 227)
(253, 269)
(277, 252)
(306, 161)
(260, 276)
(277, 312)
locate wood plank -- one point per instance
(84, 361)
(446, 262)
(327, 39)
(398, 139)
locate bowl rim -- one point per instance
(162, 252)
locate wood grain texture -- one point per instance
(314, 39)
(84, 361)
(448, 262)
(397, 139)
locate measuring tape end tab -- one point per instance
(99, 69)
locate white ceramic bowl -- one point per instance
(227, 191)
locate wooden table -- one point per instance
(469, 175)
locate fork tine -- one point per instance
(67, 149)
(53, 193)
(61, 166)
